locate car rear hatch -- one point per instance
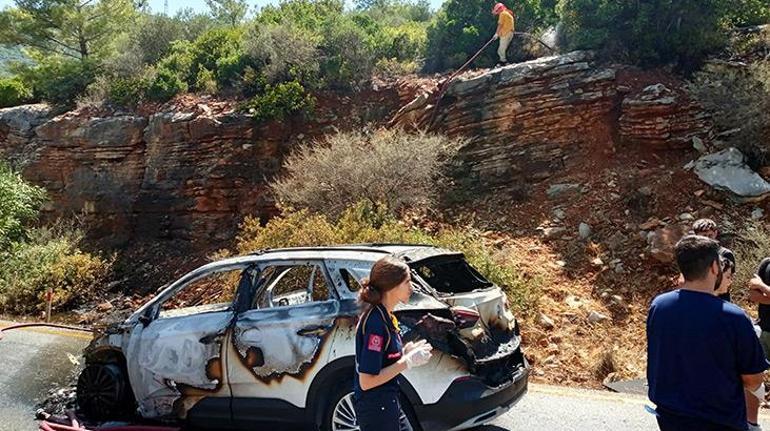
(474, 323)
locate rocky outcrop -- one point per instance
(659, 118)
(529, 120)
(191, 171)
(525, 118)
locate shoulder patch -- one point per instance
(374, 343)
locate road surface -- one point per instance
(35, 360)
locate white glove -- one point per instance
(418, 356)
(759, 392)
(408, 347)
(495, 37)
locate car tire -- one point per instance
(339, 414)
(103, 391)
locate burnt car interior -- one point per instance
(450, 274)
(286, 285)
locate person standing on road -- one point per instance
(702, 351)
(504, 32)
(380, 356)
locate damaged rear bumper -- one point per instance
(469, 402)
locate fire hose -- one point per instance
(445, 85)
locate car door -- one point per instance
(281, 341)
(177, 356)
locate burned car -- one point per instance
(275, 343)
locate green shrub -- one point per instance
(652, 32)
(366, 223)
(19, 204)
(397, 168)
(218, 50)
(309, 15)
(279, 101)
(59, 80)
(284, 53)
(738, 98)
(127, 92)
(348, 54)
(51, 259)
(165, 85)
(205, 82)
(13, 92)
(404, 43)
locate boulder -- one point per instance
(727, 170)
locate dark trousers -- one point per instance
(672, 422)
(380, 411)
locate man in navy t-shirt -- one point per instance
(701, 351)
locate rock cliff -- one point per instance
(194, 168)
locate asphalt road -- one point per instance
(33, 361)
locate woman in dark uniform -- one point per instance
(380, 356)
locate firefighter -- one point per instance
(504, 32)
(380, 355)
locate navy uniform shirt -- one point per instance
(698, 346)
(378, 345)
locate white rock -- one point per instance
(595, 317)
(698, 144)
(686, 217)
(584, 230)
(757, 214)
(727, 170)
(545, 321)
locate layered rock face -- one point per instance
(659, 118)
(524, 118)
(190, 173)
(193, 169)
(528, 120)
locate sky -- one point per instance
(200, 5)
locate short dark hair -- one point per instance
(704, 225)
(695, 254)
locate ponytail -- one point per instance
(386, 274)
(368, 293)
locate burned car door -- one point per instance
(281, 341)
(177, 354)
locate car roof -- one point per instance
(365, 252)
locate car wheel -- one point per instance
(341, 415)
(103, 391)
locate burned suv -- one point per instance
(269, 337)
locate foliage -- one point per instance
(165, 85)
(19, 203)
(284, 53)
(50, 259)
(231, 12)
(461, 27)
(394, 167)
(127, 92)
(72, 28)
(658, 31)
(58, 80)
(366, 223)
(13, 92)
(738, 97)
(348, 54)
(10, 55)
(205, 82)
(279, 101)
